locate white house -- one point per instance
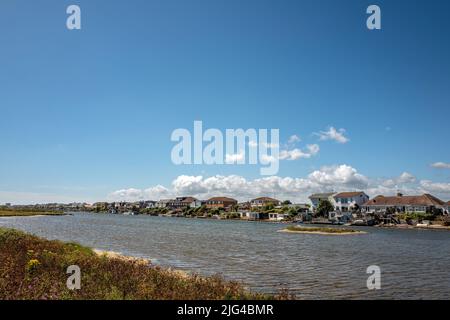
(263, 201)
(346, 201)
(401, 203)
(196, 203)
(318, 197)
(249, 215)
(274, 216)
(163, 203)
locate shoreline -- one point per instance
(323, 233)
(40, 215)
(21, 213)
(142, 261)
(109, 275)
(409, 227)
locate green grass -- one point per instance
(35, 268)
(321, 229)
(27, 213)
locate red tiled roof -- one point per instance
(267, 199)
(348, 194)
(423, 200)
(222, 199)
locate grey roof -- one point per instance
(321, 195)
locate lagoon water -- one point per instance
(415, 264)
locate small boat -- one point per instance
(128, 213)
(359, 223)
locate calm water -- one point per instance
(414, 263)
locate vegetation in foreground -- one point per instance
(27, 213)
(321, 230)
(35, 268)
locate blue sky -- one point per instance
(88, 112)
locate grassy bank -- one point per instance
(28, 213)
(35, 268)
(321, 230)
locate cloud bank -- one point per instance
(327, 179)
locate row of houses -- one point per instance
(341, 201)
(349, 201)
(215, 202)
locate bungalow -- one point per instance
(187, 202)
(163, 203)
(177, 203)
(401, 203)
(220, 202)
(346, 201)
(263, 201)
(318, 197)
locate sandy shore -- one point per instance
(407, 226)
(147, 262)
(324, 233)
(118, 255)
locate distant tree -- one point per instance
(292, 212)
(437, 212)
(269, 206)
(324, 208)
(286, 202)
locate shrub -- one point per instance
(34, 268)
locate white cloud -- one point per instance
(333, 134)
(435, 187)
(313, 149)
(441, 165)
(342, 177)
(404, 178)
(130, 194)
(157, 192)
(295, 154)
(234, 158)
(293, 139)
